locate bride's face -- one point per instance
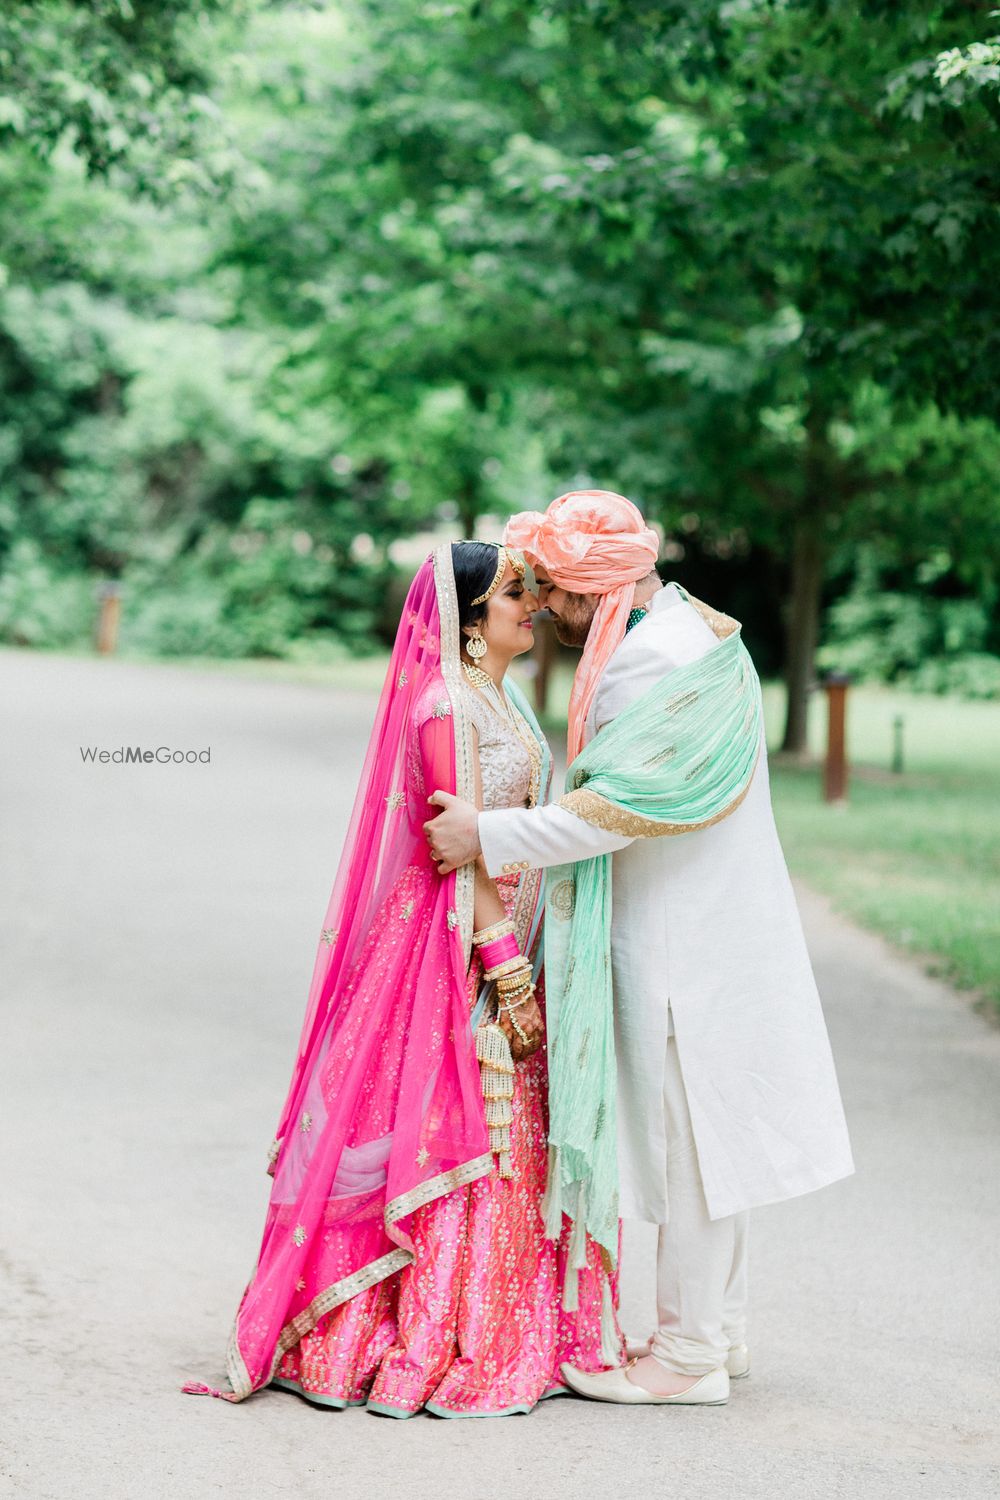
(507, 629)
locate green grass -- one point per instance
(914, 856)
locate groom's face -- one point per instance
(573, 613)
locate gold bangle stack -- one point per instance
(504, 928)
(514, 988)
(514, 980)
(505, 969)
(518, 977)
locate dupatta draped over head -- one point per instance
(589, 542)
(385, 1109)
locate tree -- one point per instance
(854, 197)
(120, 84)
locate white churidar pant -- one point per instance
(701, 1263)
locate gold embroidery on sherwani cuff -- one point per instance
(601, 813)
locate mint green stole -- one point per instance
(678, 759)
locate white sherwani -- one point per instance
(706, 942)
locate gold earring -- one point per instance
(476, 647)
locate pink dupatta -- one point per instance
(384, 1112)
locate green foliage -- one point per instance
(118, 84)
(468, 255)
(969, 674)
(39, 606)
(931, 643)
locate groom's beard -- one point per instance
(572, 626)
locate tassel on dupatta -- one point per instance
(496, 1074)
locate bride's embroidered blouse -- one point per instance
(504, 762)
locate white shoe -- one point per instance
(614, 1385)
(737, 1364)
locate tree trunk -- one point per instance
(546, 651)
(802, 632)
(468, 508)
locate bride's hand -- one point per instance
(529, 1018)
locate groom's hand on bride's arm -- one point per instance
(453, 835)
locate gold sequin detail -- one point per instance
(299, 1234)
(441, 709)
(452, 919)
(682, 700)
(305, 1124)
(330, 936)
(403, 679)
(395, 800)
(406, 911)
(422, 1156)
(661, 757)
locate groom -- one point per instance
(726, 1095)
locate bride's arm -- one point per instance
(488, 908)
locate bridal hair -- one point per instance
(475, 567)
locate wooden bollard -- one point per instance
(835, 766)
(109, 595)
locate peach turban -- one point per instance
(589, 542)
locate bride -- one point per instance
(404, 1263)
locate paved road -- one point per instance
(159, 932)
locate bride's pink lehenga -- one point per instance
(397, 1266)
(474, 1327)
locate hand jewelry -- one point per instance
(519, 1029)
(497, 930)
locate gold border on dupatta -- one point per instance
(601, 813)
(436, 1187)
(465, 775)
